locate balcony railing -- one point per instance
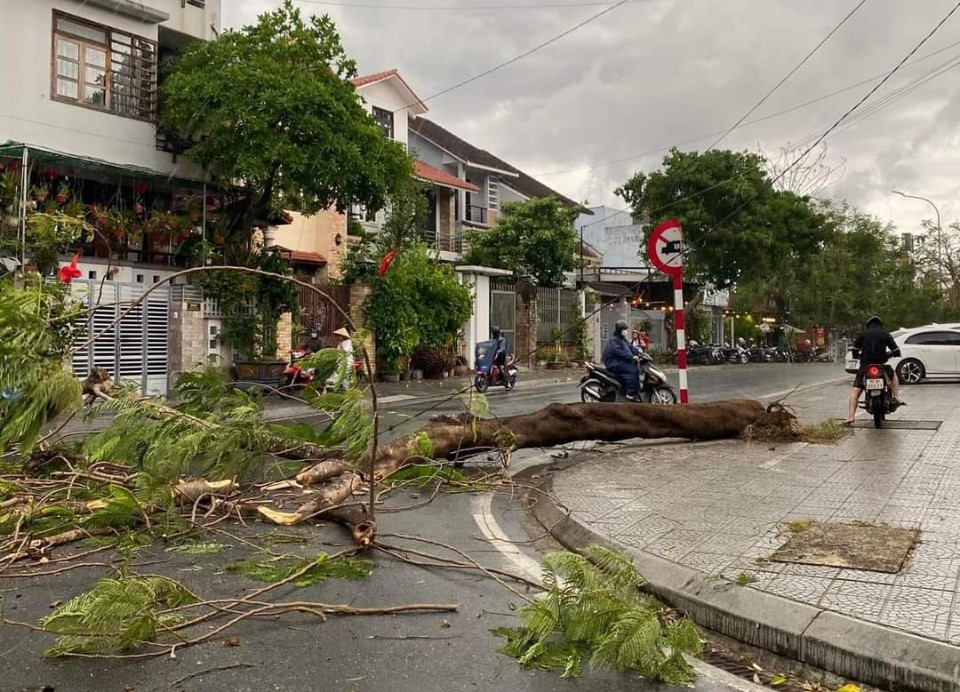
(447, 244)
(476, 214)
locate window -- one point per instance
(935, 339)
(493, 192)
(384, 119)
(99, 67)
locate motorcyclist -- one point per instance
(873, 346)
(499, 352)
(621, 359)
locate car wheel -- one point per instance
(910, 371)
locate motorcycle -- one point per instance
(878, 395)
(487, 374)
(599, 384)
(296, 377)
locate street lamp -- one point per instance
(939, 237)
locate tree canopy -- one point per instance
(737, 227)
(270, 107)
(534, 238)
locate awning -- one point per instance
(300, 257)
(430, 174)
(81, 164)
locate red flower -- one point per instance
(139, 188)
(387, 261)
(69, 272)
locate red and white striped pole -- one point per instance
(678, 322)
(665, 250)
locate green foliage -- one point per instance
(406, 215)
(251, 304)
(736, 226)
(592, 611)
(315, 571)
(860, 271)
(116, 615)
(36, 330)
(418, 301)
(271, 105)
(221, 435)
(534, 238)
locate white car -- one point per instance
(926, 352)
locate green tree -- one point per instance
(736, 226)
(533, 238)
(419, 301)
(269, 108)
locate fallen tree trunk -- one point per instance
(562, 423)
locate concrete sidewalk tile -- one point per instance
(798, 588)
(859, 599)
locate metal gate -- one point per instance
(503, 310)
(135, 350)
(318, 312)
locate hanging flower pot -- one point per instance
(63, 194)
(217, 239)
(40, 193)
(138, 208)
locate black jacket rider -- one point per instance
(873, 344)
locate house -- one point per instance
(492, 181)
(321, 241)
(79, 83)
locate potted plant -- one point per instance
(40, 193)
(8, 190)
(63, 193)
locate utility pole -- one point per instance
(939, 238)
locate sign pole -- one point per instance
(680, 325)
(665, 250)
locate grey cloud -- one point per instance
(654, 73)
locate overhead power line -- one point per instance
(464, 8)
(788, 75)
(521, 56)
(764, 118)
(847, 120)
(843, 117)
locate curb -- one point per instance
(858, 650)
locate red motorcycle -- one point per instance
(296, 378)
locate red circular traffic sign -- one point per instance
(665, 247)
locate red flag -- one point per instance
(387, 261)
(69, 272)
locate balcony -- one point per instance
(476, 215)
(444, 242)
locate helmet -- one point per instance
(621, 325)
(875, 320)
(495, 332)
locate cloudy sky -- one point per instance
(655, 73)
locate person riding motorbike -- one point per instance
(871, 346)
(620, 358)
(499, 353)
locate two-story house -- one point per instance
(495, 181)
(323, 239)
(78, 112)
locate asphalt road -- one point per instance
(399, 653)
(705, 384)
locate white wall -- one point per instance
(384, 94)
(27, 114)
(193, 21)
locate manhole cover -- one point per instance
(855, 546)
(902, 424)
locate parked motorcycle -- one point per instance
(296, 377)
(487, 374)
(599, 384)
(878, 394)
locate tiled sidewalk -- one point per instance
(718, 507)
